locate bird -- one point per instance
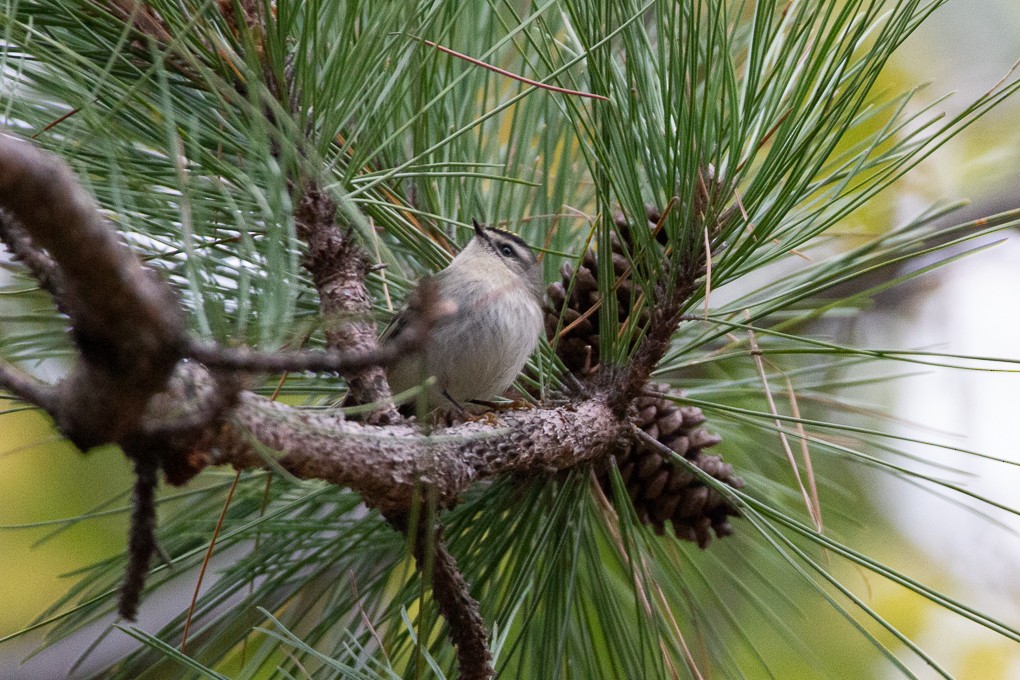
(494, 290)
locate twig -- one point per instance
(510, 74)
(142, 542)
(296, 361)
(27, 388)
(53, 123)
(426, 311)
(39, 264)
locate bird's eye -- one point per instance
(507, 251)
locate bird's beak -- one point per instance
(480, 233)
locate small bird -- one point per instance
(494, 287)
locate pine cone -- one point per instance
(577, 295)
(660, 489)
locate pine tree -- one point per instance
(289, 170)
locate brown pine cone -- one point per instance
(577, 295)
(660, 489)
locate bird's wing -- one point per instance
(399, 322)
(395, 327)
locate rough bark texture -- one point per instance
(389, 465)
(452, 594)
(338, 268)
(41, 265)
(461, 611)
(127, 324)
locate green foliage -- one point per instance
(773, 102)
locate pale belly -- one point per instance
(475, 357)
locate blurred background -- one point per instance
(967, 308)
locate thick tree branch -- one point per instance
(389, 465)
(338, 267)
(127, 323)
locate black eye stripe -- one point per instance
(507, 236)
(506, 244)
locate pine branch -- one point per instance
(388, 465)
(681, 278)
(141, 541)
(336, 262)
(39, 264)
(127, 324)
(452, 594)
(675, 105)
(338, 267)
(129, 330)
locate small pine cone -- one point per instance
(662, 491)
(652, 213)
(576, 298)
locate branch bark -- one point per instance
(41, 265)
(389, 465)
(338, 267)
(683, 271)
(127, 324)
(131, 334)
(451, 592)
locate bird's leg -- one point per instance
(461, 411)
